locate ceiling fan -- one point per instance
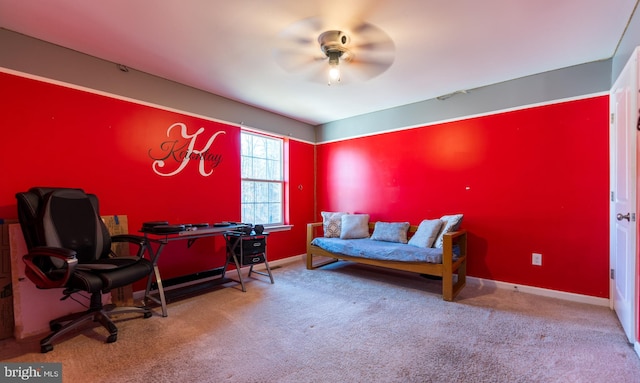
(332, 55)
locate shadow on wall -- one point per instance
(477, 250)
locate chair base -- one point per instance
(96, 313)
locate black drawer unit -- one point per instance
(247, 250)
(251, 245)
(251, 259)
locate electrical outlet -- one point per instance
(536, 259)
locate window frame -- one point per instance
(281, 181)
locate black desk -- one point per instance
(162, 239)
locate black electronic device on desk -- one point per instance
(245, 247)
(163, 227)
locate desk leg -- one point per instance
(231, 254)
(266, 263)
(235, 259)
(268, 273)
(147, 294)
(163, 301)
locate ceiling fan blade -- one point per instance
(297, 45)
(377, 46)
(374, 57)
(369, 37)
(310, 24)
(303, 40)
(293, 61)
(305, 31)
(365, 69)
(363, 28)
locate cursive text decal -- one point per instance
(184, 151)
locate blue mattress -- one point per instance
(380, 250)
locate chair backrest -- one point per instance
(64, 217)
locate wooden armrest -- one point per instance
(311, 228)
(450, 289)
(455, 234)
(448, 240)
(54, 278)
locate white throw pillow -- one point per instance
(427, 233)
(332, 223)
(355, 226)
(451, 223)
(390, 232)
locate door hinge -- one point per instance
(613, 196)
(613, 117)
(633, 217)
(613, 274)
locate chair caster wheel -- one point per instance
(112, 338)
(45, 348)
(148, 314)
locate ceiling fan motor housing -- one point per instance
(333, 43)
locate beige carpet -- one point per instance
(351, 323)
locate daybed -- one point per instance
(448, 262)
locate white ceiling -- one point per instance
(227, 47)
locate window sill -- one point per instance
(276, 228)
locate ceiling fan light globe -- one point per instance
(334, 73)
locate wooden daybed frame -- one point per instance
(450, 286)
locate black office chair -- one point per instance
(70, 248)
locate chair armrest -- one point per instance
(54, 277)
(138, 240)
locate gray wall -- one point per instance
(569, 82)
(628, 43)
(559, 84)
(25, 54)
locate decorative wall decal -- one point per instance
(183, 151)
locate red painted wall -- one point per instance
(532, 180)
(58, 136)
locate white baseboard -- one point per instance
(636, 347)
(539, 291)
(502, 285)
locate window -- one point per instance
(262, 179)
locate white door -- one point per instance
(624, 118)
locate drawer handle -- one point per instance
(256, 259)
(257, 244)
